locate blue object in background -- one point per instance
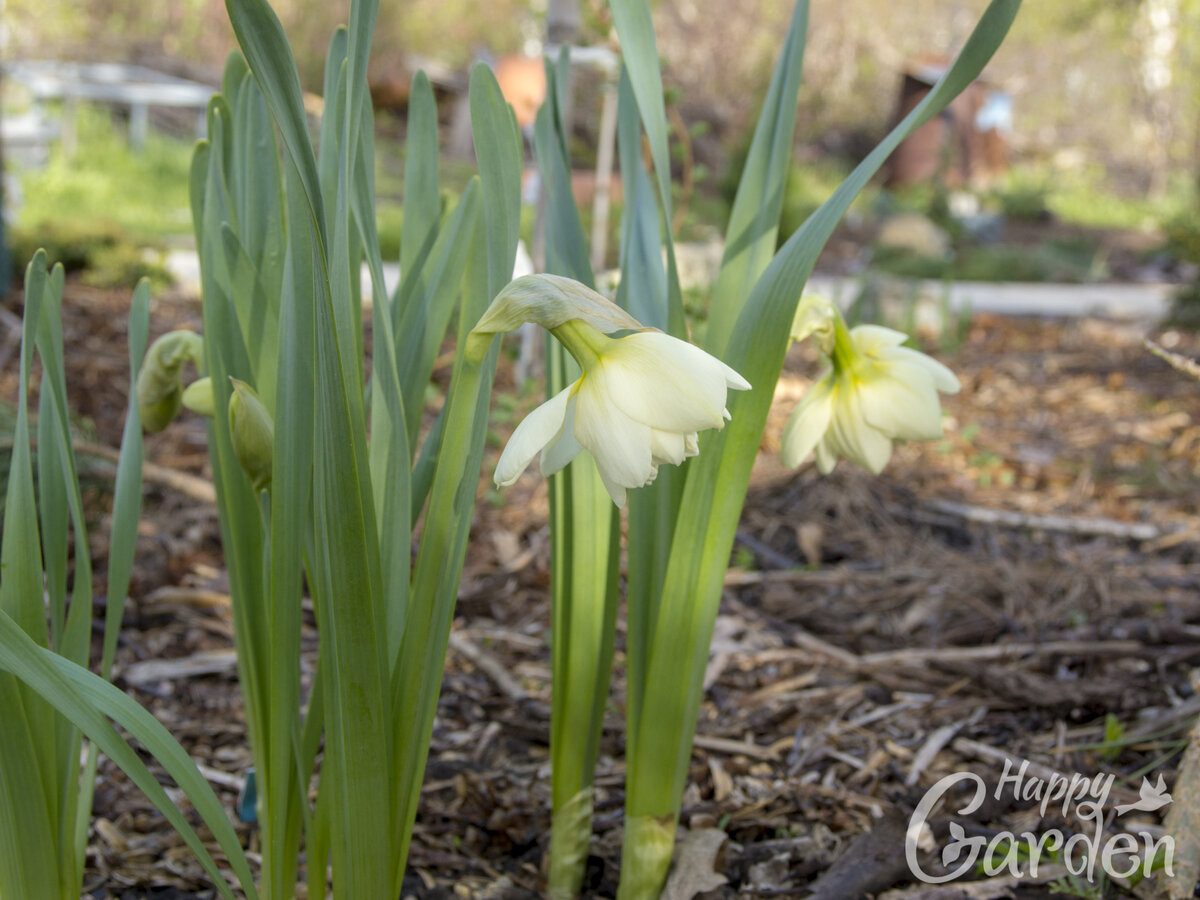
(247, 800)
(996, 113)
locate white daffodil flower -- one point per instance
(875, 392)
(639, 404)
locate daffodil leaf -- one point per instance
(585, 555)
(86, 699)
(416, 678)
(718, 478)
(750, 237)
(421, 199)
(127, 493)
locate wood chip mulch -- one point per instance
(1026, 588)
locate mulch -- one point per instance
(1028, 587)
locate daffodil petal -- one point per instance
(851, 437)
(535, 432)
(943, 379)
(667, 447)
(563, 447)
(903, 407)
(873, 339)
(616, 491)
(826, 458)
(665, 382)
(807, 424)
(620, 445)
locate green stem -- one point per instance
(584, 579)
(582, 341)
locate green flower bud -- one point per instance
(252, 433)
(198, 397)
(160, 383)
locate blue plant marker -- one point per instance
(247, 800)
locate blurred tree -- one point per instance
(1077, 70)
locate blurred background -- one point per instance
(1030, 237)
(1073, 160)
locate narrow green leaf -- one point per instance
(428, 301)
(389, 452)
(282, 783)
(417, 677)
(127, 492)
(269, 56)
(585, 536)
(645, 291)
(635, 30)
(258, 313)
(750, 237)
(28, 787)
(52, 508)
(225, 355)
(257, 185)
(499, 152)
(332, 117)
(28, 839)
(631, 18)
(233, 74)
(422, 203)
(59, 484)
(20, 557)
(643, 287)
(717, 480)
(347, 576)
(423, 468)
(566, 244)
(86, 700)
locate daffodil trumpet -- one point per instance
(640, 403)
(874, 392)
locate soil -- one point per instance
(876, 633)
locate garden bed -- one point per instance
(877, 633)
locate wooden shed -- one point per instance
(966, 144)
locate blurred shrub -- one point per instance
(105, 182)
(1023, 196)
(103, 251)
(1074, 260)
(809, 184)
(1183, 235)
(389, 218)
(123, 265)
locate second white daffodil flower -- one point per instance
(640, 402)
(875, 392)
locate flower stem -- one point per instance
(844, 352)
(648, 846)
(582, 341)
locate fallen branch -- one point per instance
(975, 749)
(1137, 531)
(998, 888)
(197, 488)
(190, 485)
(206, 662)
(487, 664)
(998, 651)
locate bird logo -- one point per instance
(1150, 797)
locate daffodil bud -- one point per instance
(640, 402)
(548, 301)
(198, 397)
(252, 434)
(160, 382)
